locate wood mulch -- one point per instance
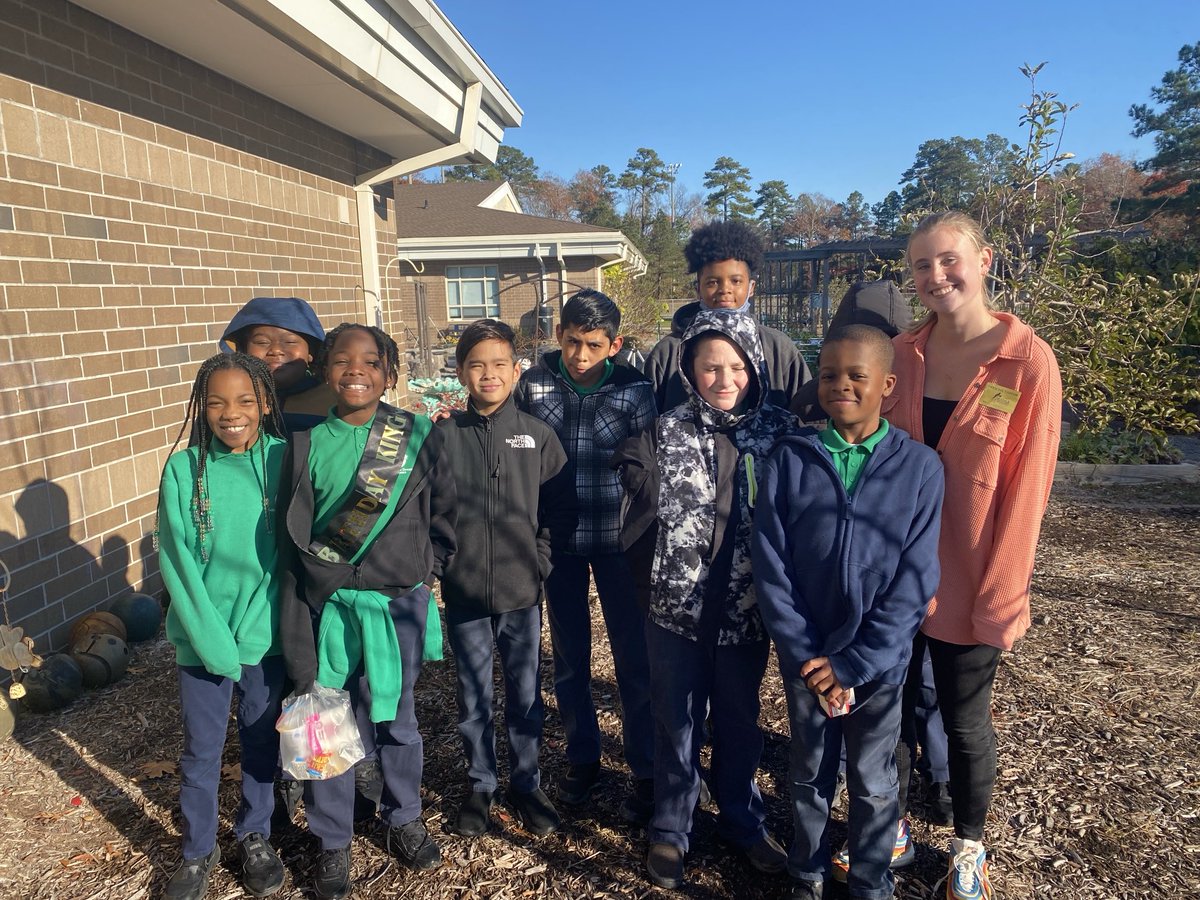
(1098, 793)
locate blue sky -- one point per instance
(829, 97)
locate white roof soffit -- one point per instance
(392, 73)
(548, 246)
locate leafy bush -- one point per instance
(1116, 447)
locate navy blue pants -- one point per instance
(689, 681)
(518, 637)
(870, 732)
(329, 805)
(204, 701)
(571, 637)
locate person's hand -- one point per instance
(818, 675)
(290, 374)
(439, 415)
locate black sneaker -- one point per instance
(262, 872)
(414, 845)
(190, 881)
(332, 878)
(368, 789)
(288, 794)
(807, 890)
(664, 865)
(536, 812)
(939, 810)
(579, 782)
(474, 813)
(767, 856)
(638, 805)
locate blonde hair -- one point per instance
(966, 226)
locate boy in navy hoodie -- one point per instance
(515, 499)
(845, 563)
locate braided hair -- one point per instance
(383, 341)
(195, 424)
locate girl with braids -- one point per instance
(367, 523)
(217, 550)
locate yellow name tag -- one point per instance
(997, 396)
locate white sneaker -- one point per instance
(968, 876)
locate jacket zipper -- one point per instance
(489, 509)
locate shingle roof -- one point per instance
(453, 210)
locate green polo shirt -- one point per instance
(580, 389)
(850, 458)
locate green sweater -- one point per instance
(224, 613)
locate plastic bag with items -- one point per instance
(318, 737)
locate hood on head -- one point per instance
(740, 328)
(291, 313)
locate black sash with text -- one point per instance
(387, 461)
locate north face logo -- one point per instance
(521, 442)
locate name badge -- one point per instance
(999, 397)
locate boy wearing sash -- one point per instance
(515, 499)
(593, 404)
(369, 518)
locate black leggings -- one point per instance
(963, 676)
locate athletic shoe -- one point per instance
(474, 813)
(903, 852)
(262, 872)
(968, 877)
(577, 785)
(190, 881)
(332, 878)
(767, 856)
(807, 890)
(536, 812)
(414, 845)
(664, 865)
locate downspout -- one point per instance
(364, 196)
(562, 276)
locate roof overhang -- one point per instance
(608, 249)
(391, 73)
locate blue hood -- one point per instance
(291, 313)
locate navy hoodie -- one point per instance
(847, 576)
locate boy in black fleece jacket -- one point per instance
(516, 498)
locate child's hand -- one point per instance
(818, 675)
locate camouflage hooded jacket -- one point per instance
(690, 483)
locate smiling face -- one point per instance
(231, 409)
(276, 346)
(725, 284)
(852, 382)
(487, 374)
(949, 271)
(721, 373)
(584, 352)
(357, 373)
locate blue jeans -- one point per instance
(518, 636)
(204, 701)
(689, 680)
(571, 637)
(870, 732)
(329, 805)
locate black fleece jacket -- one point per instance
(415, 546)
(516, 498)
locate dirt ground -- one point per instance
(1098, 793)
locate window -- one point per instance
(472, 292)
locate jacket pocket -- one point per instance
(984, 448)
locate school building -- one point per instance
(160, 164)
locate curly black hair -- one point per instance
(719, 241)
(383, 341)
(195, 424)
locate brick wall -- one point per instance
(143, 199)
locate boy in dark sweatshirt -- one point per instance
(845, 563)
(515, 499)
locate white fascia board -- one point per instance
(549, 246)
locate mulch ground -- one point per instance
(1098, 714)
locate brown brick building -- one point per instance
(160, 164)
(471, 252)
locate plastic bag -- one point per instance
(318, 737)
